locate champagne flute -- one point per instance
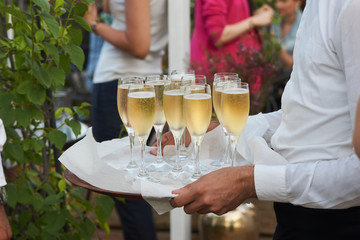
(219, 79)
(181, 78)
(122, 92)
(174, 114)
(141, 113)
(235, 105)
(159, 82)
(197, 110)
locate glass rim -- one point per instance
(131, 79)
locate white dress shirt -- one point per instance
(2, 142)
(313, 131)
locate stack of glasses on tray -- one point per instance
(182, 100)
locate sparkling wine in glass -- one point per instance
(197, 110)
(174, 114)
(219, 79)
(182, 78)
(158, 82)
(141, 113)
(235, 106)
(123, 85)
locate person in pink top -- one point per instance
(221, 25)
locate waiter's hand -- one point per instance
(217, 192)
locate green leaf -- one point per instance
(32, 230)
(37, 94)
(83, 23)
(15, 13)
(75, 126)
(65, 63)
(42, 75)
(43, 4)
(85, 104)
(39, 35)
(23, 116)
(12, 133)
(57, 75)
(36, 113)
(20, 43)
(8, 115)
(24, 87)
(86, 229)
(59, 3)
(62, 185)
(52, 24)
(15, 150)
(57, 138)
(106, 204)
(52, 51)
(89, 1)
(60, 110)
(12, 196)
(76, 35)
(80, 111)
(37, 144)
(53, 221)
(76, 54)
(80, 9)
(25, 193)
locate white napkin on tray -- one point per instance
(103, 165)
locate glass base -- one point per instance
(217, 163)
(196, 176)
(132, 165)
(159, 167)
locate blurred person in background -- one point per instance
(95, 44)
(134, 45)
(286, 29)
(221, 26)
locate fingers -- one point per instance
(185, 196)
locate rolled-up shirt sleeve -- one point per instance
(214, 14)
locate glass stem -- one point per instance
(197, 173)
(182, 142)
(233, 141)
(132, 163)
(177, 167)
(158, 138)
(143, 171)
(225, 158)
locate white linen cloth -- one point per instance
(313, 131)
(103, 164)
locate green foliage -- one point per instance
(46, 44)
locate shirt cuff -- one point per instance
(270, 183)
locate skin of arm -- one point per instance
(356, 136)
(136, 39)
(262, 17)
(5, 229)
(106, 6)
